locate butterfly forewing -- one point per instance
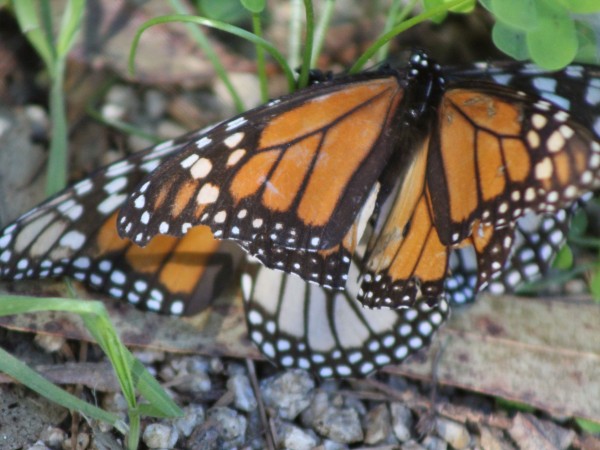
(494, 155)
(575, 89)
(293, 173)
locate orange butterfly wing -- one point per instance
(292, 174)
(493, 155)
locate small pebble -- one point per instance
(377, 425)
(49, 343)
(453, 433)
(293, 437)
(188, 374)
(114, 402)
(529, 432)
(136, 142)
(216, 366)
(169, 129)
(158, 435)
(412, 445)
(317, 407)
(119, 101)
(402, 421)
(234, 368)
(341, 425)
(492, 439)
(434, 443)
(332, 445)
(38, 119)
(82, 442)
(246, 84)
(53, 436)
(230, 425)
(155, 104)
(39, 445)
(288, 393)
(148, 356)
(244, 398)
(193, 415)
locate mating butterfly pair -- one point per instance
(432, 162)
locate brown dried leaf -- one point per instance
(543, 352)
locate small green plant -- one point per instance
(549, 32)
(35, 20)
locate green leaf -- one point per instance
(519, 14)
(464, 8)
(564, 258)
(254, 6)
(429, 4)
(229, 11)
(553, 44)
(582, 6)
(588, 426)
(510, 40)
(487, 4)
(588, 34)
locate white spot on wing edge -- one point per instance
(236, 123)
(189, 161)
(234, 139)
(110, 204)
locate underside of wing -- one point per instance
(74, 234)
(296, 324)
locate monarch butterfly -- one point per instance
(445, 161)
(74, 234)
(295, 324)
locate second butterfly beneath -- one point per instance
(442, 161)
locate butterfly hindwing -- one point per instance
(296, 324)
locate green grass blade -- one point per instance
(394, 16)
(260, 59)
(321, 29)
(295, 33)
(27, 16)
(34, 381)
(308, 44)
(71, 22)
(130, 372)
(57, 160)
